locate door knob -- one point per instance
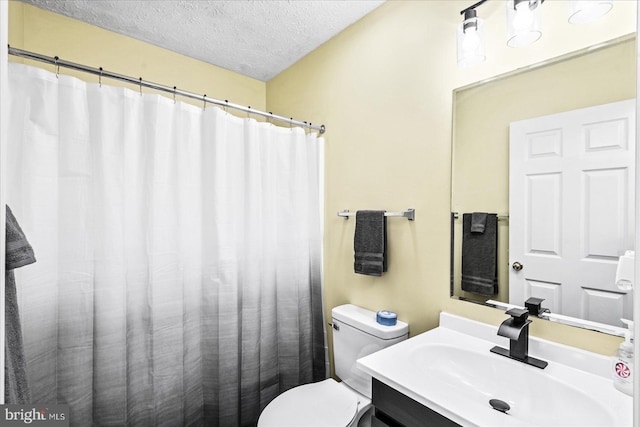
(517, 266)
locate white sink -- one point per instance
(451, 370)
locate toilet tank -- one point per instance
(357, 334)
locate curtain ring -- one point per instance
(55, 58)
(174, 94)
(248, 111)
(204, 101)
(140, 79)
(100, 77)
(225, 106)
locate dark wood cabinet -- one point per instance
(377, 422)
(394, 409)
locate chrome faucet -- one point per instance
(516, 328)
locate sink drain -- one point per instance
(499, 405)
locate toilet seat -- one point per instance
(321, 404)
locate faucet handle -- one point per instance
(519, 315)
(534, 305)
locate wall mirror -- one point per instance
(560, 232)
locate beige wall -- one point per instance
(481, 131)
(51, 34)
(383, 88)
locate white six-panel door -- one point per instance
(571, 210)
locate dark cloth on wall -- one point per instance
(370, 243)
(18, 254)
(480, 254)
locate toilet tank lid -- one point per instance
(365, 320)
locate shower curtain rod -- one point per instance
(173, 90)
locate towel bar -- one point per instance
(410, 214)
(500, 217)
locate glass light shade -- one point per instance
(470, 42)
(583, 11)
(523, 22)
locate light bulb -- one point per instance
(524, 17)
(471, 41)
(523, 22)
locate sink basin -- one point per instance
(534, 397)
(455, 374)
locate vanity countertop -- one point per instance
(451, 370)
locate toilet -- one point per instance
(330, 403)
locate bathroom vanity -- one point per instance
(448, 376)
(393, 408)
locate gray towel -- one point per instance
(478, 222)
(370, 243)
(480, 256)
(18, 254)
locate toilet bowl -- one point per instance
(322, 404)
(330, 403)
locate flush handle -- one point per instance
(517, 266)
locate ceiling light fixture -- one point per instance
(583, 11)
(523, 25)
(470, 37)
(523, 22)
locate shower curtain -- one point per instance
(179, 254)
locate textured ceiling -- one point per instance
(255, 38)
